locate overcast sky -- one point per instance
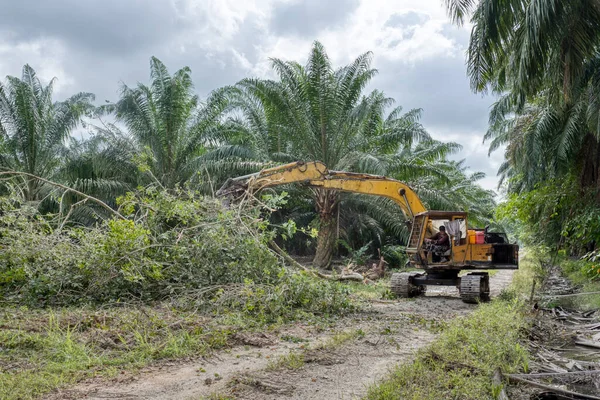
(93, 45)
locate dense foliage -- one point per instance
(162, 135)
(34, 129)
(167, 246)
(542, 58)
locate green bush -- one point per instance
(280, 302)
(171, 244)
(395, 256)
(556, 214)
(584, 274)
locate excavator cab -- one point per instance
(428, 223)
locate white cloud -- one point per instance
(241, 60)
(46, 55)
(366, 30)
(418, 53)
(216, 22)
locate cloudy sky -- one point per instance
(93, 45)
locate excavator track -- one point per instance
(475, 287)
(402, 286)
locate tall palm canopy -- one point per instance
(163, 135)
(317, 112)
(168, 123)
(523, 45)
(543, 57)
(35, 129)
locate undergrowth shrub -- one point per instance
(169, 245)
(276, 303)
(584, 274)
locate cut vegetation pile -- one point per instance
(167, 246)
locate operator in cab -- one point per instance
(438, 244)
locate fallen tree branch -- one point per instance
(587, 343)
(556, 374)
(296, 264)
(551, 388)
(497, 381)
(62, 225)
(354, 276)
(94, 199)
(592, 327)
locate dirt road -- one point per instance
(336, 363)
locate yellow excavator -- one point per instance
(470, 249)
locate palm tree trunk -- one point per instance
(326, 204)
(590, 168)
(30, 194)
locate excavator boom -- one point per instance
(315, 174)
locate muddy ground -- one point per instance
(337, 363)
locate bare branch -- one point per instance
(91, 198)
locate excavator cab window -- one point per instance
(460, 237)
(455, 228)
(439, 253)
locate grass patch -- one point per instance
(431, 324)
(532, 268)
(341, 338)
(297, 360)
(379, 289)
(41, 350)
(293, 339)
(460, 364)
(44, 350)
(577, 271)
(291, 361)
(216, 396)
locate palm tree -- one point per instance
(528, 45)
(316, 112)
(34, 129)
(166, 122)
(543, 56)
(102, 166)
(542, 141)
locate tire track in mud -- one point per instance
(390, 333)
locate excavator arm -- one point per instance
(315, 174)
